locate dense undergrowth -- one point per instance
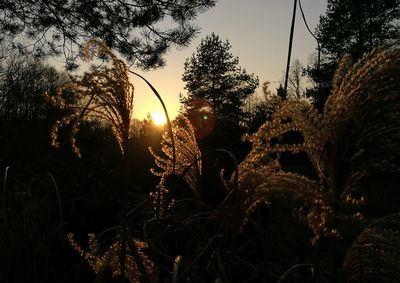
(315, 199)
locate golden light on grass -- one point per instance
(159, 118)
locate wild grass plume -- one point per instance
(104, 94)
(108, 258)
(356, 135)
(188, 164)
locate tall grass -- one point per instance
(354, 138)
(256, 231)
(106, 94)
(30, 237)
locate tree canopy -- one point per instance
(213, 74)
(353, 27)
(134, 28)
(356, 27)
(23, 80)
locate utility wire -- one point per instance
(312, 34)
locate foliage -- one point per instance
(354, 136)
(354, 27)
(213, 74)
(374, 255)
(30, 229)
(357, 27)
(251, 232)
(261, 173)
(352, 142)
(353, 139)
(132, 27)
(101, 261)
(23, 80)
(188, 163)
(105, 94)
(259, 109)
(296, 80)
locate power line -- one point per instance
(312, 34)
(290, 46)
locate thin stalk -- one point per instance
(124, 228)
(4, 188)
(169, 125)
(312, 34)
(311, 266)
(135, 254)
(230, 154)
(58, 197)
(198, 256)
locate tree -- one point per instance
(129, 26)
(23, 80)
(296, 80)
(213, 76)
(354, 27)
(260, 109)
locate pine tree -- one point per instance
(213, 76)
(131, 27)
(353, 27)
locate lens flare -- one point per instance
(202, 117)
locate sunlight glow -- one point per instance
(159, 118)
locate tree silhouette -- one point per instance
(354, 27)
(260, 109)
(23, 80)
(216, 84)
(296, 80)
(128, 26)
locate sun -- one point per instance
(159, 118)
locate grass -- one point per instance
(258, 223)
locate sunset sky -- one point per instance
(258, 31)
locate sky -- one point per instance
(258, 31)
